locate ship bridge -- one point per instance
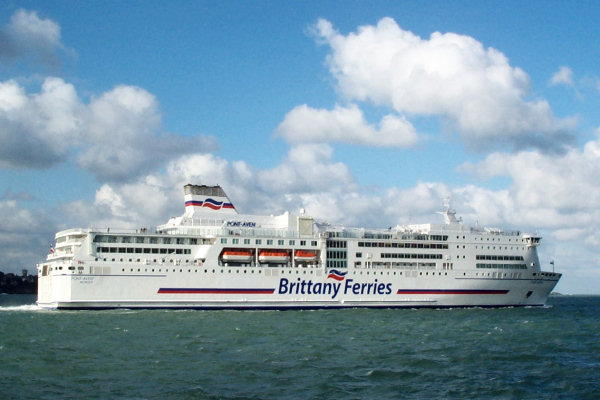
(532, 241)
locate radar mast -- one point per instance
(448, 213)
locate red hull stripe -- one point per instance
(213, 291)
(450, 291)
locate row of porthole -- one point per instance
(181, 270)
(494, 247)
(516, 275)
(162, 260)
(488, 239)
(206, 271)
(282, 271)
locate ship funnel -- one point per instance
(206, 199)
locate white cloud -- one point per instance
(307, 177)
(547, 193)
(24, 236)
(28, 36)
(125, 139)
(36, 130)
(306, 169)
(410, 205)
(130, 205)
(475, 90)
(344, 124)
(305, 174)
(556, 192)
(117, 136)
(564, 76)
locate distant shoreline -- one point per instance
(18, 284)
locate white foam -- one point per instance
(23, 307)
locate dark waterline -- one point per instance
(549, 352)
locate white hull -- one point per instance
(210, 291)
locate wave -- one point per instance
(22, 307)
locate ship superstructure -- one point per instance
(212, 257)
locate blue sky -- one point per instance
(364, 113)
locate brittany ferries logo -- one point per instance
(308, 287)
(210, 203)
(337, 275)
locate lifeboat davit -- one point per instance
(237, 255)
(305, 256)
(273, 256)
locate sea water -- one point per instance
(507, 353)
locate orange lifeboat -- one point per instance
(273, 256)
(305, 256)
(237, 255)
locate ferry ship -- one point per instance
(212, 257)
